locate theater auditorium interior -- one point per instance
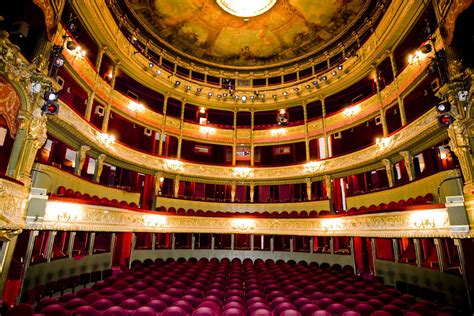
(236, 157)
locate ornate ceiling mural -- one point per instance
(203, 30)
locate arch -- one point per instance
(10, 104)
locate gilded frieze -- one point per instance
(13, 199)
(419, 223)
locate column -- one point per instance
(439, 253)
(308, 189)
(158, 177)
(9, 240)
(252, 242)
(99, 166)
(49, 246)
(416, 242)
(408, 159)
(306, 132)
(176, 186)
(252, 192)
(389, 169)
(252, 149)
(163, 125)
(325, 134)
(181, 126)
(328, 183)
(232, 241)
(401, 106)
(379, 96)
(90, 252)
(91, 96)
(105, 122)
(70, 246)
(17, 147)
(311, 244)
(396, 255)
(80, 159)
(233, 191)
(459, 142)
(35, 138)
(234, 146)
(153, 241)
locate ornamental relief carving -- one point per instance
(407, 135)
(13, 200)
(59, 216)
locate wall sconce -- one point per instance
(243, 224)
(136, 107)
(312, 166)
(278, 132)
(63, 212)
(383, 142)
(155, 221)
(416, 58)
(174, 165)
(106, 139)
(76, 51)
(243, 173)
(351, 111)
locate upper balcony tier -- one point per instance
(395, 23)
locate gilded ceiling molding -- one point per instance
(424, 127)
(13, 200)
(78, 217)
(395, 22)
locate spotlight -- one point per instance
(198, 90)
(324, 78)
(340, 67)
(225, 95)
(209, 93)
(307, 86)
(158, 72)
(58, 61)
(151, 65)
(188, 87)
(50, 108)
(445, 119)
(244, 98)
(296, 89)
(425, 49)
(50, 96)
(134, 39)
(219, 96)
(443, 106)
(334, 73)
(177, 83)
(252, 97)
(261, 96)
(70, 45)
(285, 93)
(315, 83)
(274, 96)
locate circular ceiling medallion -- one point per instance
(246, 8)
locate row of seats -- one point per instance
(235, 288)
(419, 200)
(63, 192)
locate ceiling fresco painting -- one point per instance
(290, 28)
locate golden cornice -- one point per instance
(412, 135)
(79, 217)
(396, 21)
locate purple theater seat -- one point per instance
(336, 308)
(309, 309)
(75, 303)
(409, 313)
(213, 298)
(364, 309)
(283, 307)
(142, 299)
(115, 311)
(321, 313)
(46, 302)
(350, 303)
(300, 302)
(144, 311)
(212, 305)
(99, 286)
(385, 298)
(102, 304)
(168, 300)
(205, 311)
(85, 311)
(400, 304)
(21, 310)
(91, 298)
(174, 311)
(108, 291)
(422, 310)
(255, 306)
(380, 313)
(140, 285)
(117, 299)
(261, 312)
(130, 304)
(157, 305)
(130, 292)
(392, 310)
(120, 285)
(84, 292)
(184, 305)
(290, 312)
(235, 298)
(233, 312)
(350, 313)
(324, 302)
(316, 296)
(52, 310)
(277, 301)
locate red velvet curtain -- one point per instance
(264, 193)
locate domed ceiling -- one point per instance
(201, 31)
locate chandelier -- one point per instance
(246, 8)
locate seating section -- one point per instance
(86, 198)
(382, 207)
(235, 288)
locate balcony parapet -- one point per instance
(79, 217)
(13, 200)
(420, 130)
